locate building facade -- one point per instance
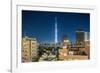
(29, 49)
(63, 53)
(80, 37)
(65, 41)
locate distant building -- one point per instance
(79, 51)
(87, 44)
(65, 40)
(80, 37)
(87, 36)
(83, 39)
(29, 49)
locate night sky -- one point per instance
(41, 24)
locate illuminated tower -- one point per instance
(56, 31)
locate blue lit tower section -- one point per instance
(56, 31)
(56, 37)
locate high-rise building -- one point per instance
(80, 37)
(29, 49)
(83, 39)
(87, 44)
(87, 36)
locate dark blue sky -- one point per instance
(40, 24)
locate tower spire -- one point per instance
(56, 31)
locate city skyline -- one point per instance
(51, 26)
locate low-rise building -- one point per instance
(63, 53)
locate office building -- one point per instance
(80, 37)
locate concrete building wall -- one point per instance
(29, 49)
(25, 50)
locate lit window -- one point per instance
(65, 54)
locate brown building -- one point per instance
(29, 49)
(63, 53)
(75, 53)
(87, 46)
